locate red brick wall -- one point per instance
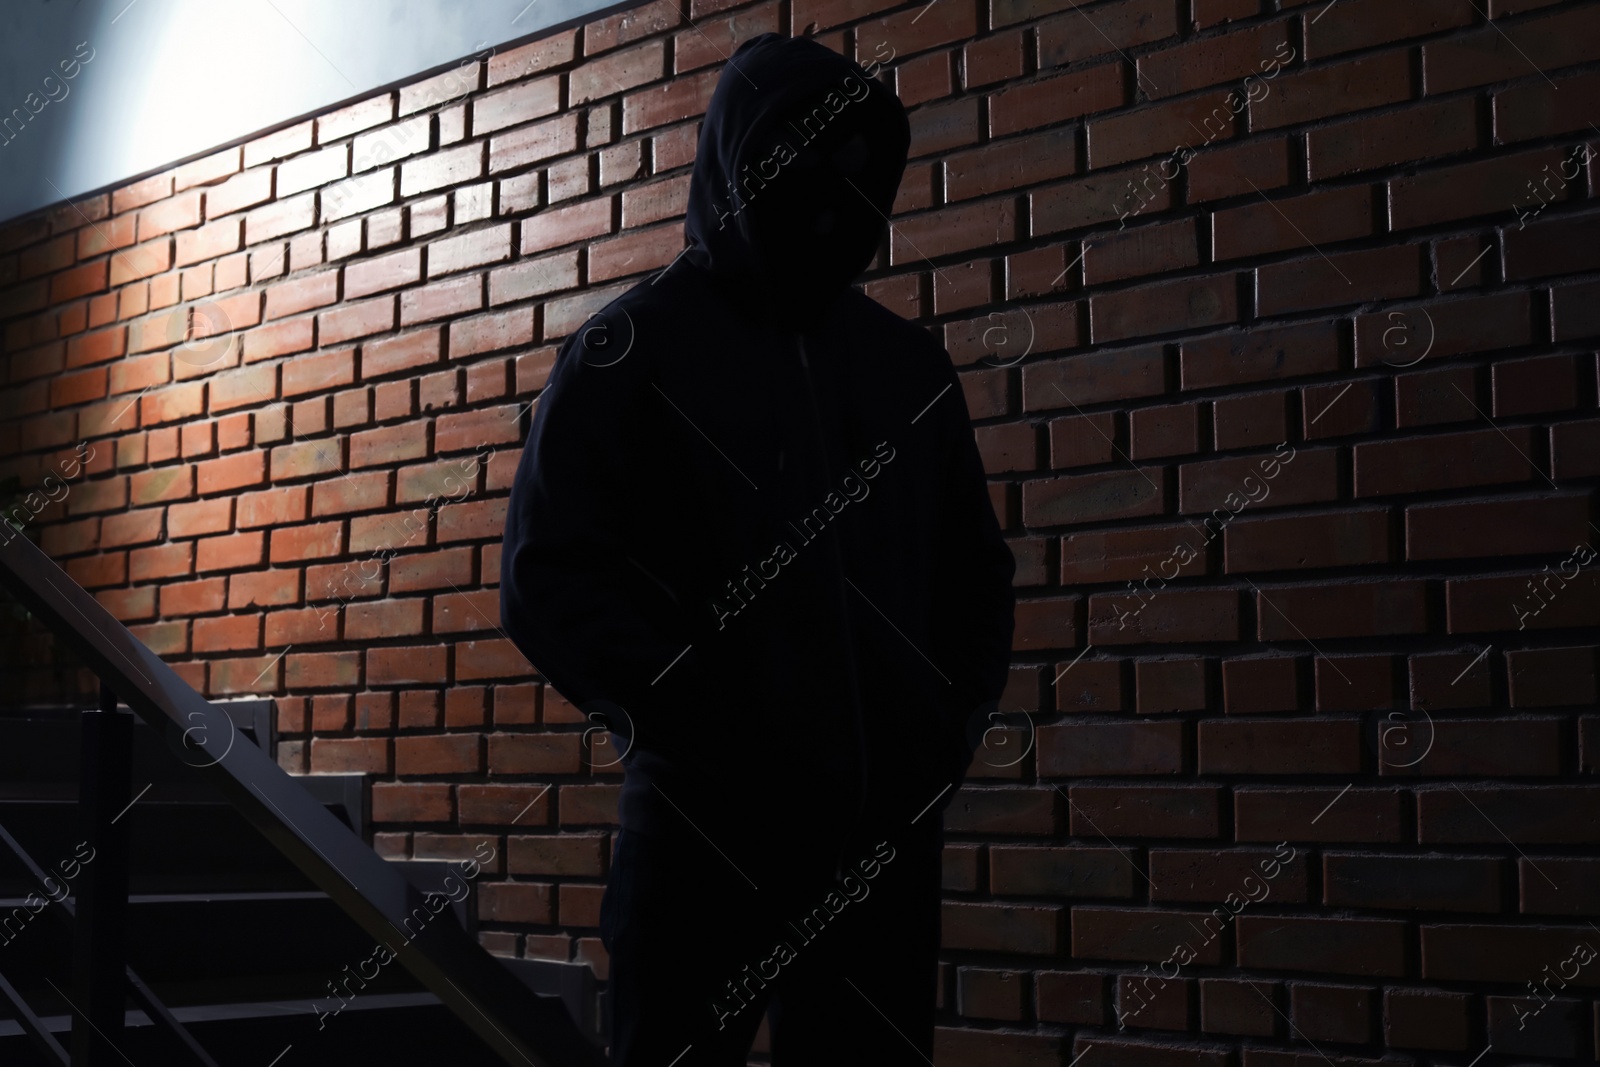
(1279, 323)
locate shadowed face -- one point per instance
(810, 216)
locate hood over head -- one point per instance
(800, 157)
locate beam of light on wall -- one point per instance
(173, 79)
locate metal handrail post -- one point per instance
(100, 936)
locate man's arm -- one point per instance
(592, 622)
(974, 602)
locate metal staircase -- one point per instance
(169, 895)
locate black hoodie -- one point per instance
(750, 530)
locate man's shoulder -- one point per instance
(864, 309)
(678, 290)
(638, 325)
(882, 334)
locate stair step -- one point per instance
(379, 1028)
(40, 745)
(174, 845)
(186, 945)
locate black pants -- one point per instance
(705, 936)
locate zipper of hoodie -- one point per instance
(844, 618)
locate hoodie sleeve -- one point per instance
(974, 601)
(589, 619)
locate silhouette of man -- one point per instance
(751, 534)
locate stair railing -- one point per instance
(97, 917)
(521, 1027)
